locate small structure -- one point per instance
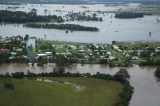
(4, 51)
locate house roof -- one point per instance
(4, 50)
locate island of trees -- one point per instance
(83, 17)
(128, 15)
(21, 17)
(72, 27)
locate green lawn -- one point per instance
(35, 93)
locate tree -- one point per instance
(53, 53)
(100, 19)
(123, 73)
(145, 54)
(40, 61)
(157, 72)
(7, 75)
(60, 60)
(26, 38)
(8, 83)
(60, 70)
(114, 42)
(18, 75)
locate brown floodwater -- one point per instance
(146, 86)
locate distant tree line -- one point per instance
(15, 2)
(127, 15)
(83, 17)
(21, 17)
(42, 1)
(72, 27)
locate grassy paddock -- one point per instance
(35, 93)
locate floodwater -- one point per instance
(146, 86)
(110, 29)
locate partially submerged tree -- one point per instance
(157, 72)
(123, 73)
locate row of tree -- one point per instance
(72, 27)
(127, 15)
(16, 2)
(83, 17)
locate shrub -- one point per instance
(157, 72)
(123, 73)
(8, 84)
(18, 75)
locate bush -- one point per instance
(123, 73)
(7, 75)
(18, 75)
(8, 84)
(157, 72)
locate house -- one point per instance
(48, 53)
(127, 55)
(4, 50)
(135, 58)
(19, 50)
(116, 48)
(112, 58)
(41, 55)
(81, 51)
(13, 53)
(109, 53)
(96, 50)
(96, 46)
(157, 49)
(59, 46)
(72, 47)
(103, 50)
(81, 47)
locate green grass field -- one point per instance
(95, 92)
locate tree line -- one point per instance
(83, 17)
(22, 17)
(72, 27)
(128, 15)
